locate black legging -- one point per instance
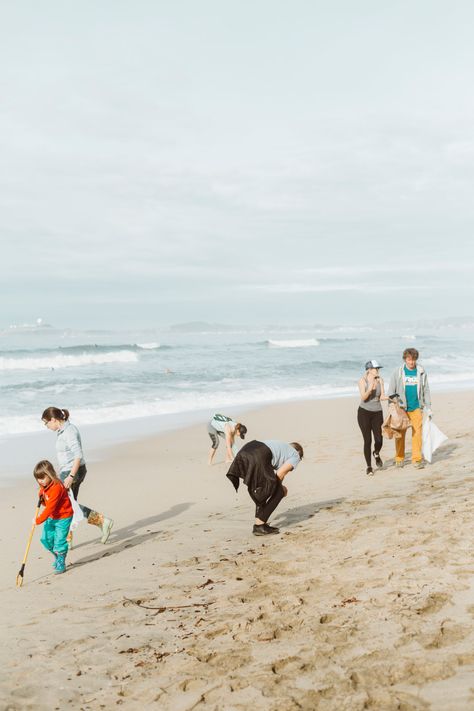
(78, 479)
(253, 464)
(370, 423)
(265, 510)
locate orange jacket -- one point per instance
(57, 503)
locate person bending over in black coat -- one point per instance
(262, 466)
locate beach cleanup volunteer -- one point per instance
(72, 466)
(410, 383)
(262, 466)
(57, 514)
(225, 427)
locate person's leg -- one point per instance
(75, 486)
(377, 422)
(363, 418)
(47, 536)
(416, 419)
(61, 529)
(214, 442)
(95, 518)
(400, 448)
(265, 510)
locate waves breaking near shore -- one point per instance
(116, 376)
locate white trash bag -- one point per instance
(432, 439)
(77, 515)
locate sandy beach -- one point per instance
(365, 600)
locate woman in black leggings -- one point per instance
(370, 415)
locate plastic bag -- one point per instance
(77, 515)
(432, 439)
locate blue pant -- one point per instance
(54, 534)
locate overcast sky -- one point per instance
(221, 160)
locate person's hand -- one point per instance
(372, 382)
(68, 482)
(33, 522)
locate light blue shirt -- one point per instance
(282, 453)
(68, 446)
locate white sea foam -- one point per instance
(67, 361)
(185, 403)
(444, 378)
(148, 346)
(294, 343)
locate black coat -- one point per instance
(253, 464)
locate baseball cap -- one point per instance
(373, 364)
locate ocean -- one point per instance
(174, 374)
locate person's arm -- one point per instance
(392, 390)
(74, 446)
(69, 480)
(382, 390)
(229, 441)
(285, 469)
(427, 396)
(371, 387)
(54, 493)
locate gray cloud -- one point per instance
(171, 153)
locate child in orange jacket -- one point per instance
(57, 514)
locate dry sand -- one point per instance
(365, 600)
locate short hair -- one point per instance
(298, 448)
(410, 352)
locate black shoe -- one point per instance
(271, 529)
(369, 471)
(264, 529)
(378, 461)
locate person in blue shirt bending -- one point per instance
(262, 466)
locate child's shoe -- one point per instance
(60, 563)
(55, 560)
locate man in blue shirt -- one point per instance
(410, 383)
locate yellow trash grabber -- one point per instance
(19, 577)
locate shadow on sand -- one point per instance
(125, 539)
(121, 534)
(444, 452)
(303, 513)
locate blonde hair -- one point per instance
(45, 468)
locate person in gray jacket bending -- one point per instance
(410, 383)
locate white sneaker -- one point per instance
(106, 528)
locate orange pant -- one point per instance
(416, 419)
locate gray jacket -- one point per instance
(397, 387)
